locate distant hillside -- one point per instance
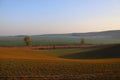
(111, 51)
(103, 34)
(105, 37)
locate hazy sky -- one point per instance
(30, 17)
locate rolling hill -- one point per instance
(109, 51)
(104, 37)
(25, 63)
(102, 34)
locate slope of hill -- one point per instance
(24, 63)
(111, 51)
(105, 37)
(102, 34)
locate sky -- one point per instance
(35, 17)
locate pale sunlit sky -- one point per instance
(33, 17)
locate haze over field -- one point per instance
(59, 39)
(36, 17)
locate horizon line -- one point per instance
(57, 33)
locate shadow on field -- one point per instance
(111, 51)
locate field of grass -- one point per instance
(110, 51)
(26, 63)
(19, 41)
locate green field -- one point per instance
(47, 40)
(27, 63)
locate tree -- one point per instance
(82, 41)
(27, 40)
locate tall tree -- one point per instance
(27, 40)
